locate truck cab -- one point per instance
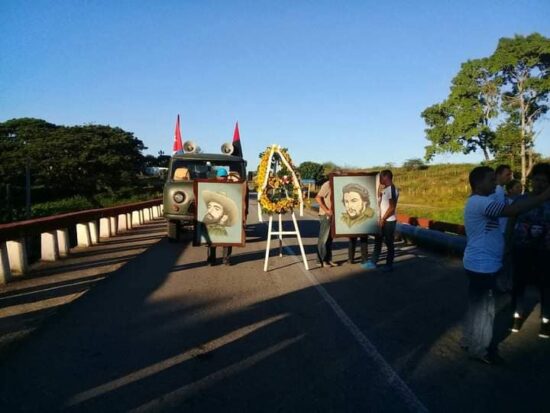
(178, 196)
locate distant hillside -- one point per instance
(437, 192)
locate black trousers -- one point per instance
(364, 248)
(388, 233)
(212, 253)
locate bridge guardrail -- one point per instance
(54, 232)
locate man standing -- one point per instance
(387, 200)
(531, 248)
(483, 259)
(503, 175)
(324, 243)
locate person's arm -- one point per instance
(322, 205)
(391, 209)
(321, 201)
(525, 204)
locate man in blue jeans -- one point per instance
(324, 243)
(483, 259)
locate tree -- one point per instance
(414, 164)
(84, 160)
(494, 103)
(461, 123)
(523, 63)
(328, 167)
(311, 170)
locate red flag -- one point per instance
(237, 149)
(178, 146)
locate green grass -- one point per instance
(438, 192)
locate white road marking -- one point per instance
(387, 373)
(172, 399)
(171, 362)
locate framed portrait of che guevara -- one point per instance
(220, 213)
(355, 204)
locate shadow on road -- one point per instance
(161, 335)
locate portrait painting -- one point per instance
(355, 204)
(219, 213)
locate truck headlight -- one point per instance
(179, 197)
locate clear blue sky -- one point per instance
(332, 81)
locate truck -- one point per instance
(184, 168)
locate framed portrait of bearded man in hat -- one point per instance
(355, 204)
(219, 213)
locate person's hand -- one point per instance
(380, 222)
(329, 212)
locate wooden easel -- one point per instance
(280, 234)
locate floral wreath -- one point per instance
(276, 194)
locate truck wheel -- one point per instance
(173, 231)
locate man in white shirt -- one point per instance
(483, 259)
(387, 200)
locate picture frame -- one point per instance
(220, 213)
(354, 198)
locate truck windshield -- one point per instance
(206, 170)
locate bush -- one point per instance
(77, 203)
(414, 164)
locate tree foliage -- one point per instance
(523, 63)
(494, 103)
(461, 123)
(84, 160)
(414, 164)
(311, 170)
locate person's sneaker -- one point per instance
(369, 265)
(517, 324)
(386, 268)
(331, 264)
(226, 261)
(544, 330)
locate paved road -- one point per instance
(163, 332)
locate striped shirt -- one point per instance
(484, 240)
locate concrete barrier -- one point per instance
(17, 256)
(63, 242)
(94, 232)
(5, 273)
(105, 228)
(113, 223)
(83, 238)
(122, 223)
(49, 250)
(54, 233)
